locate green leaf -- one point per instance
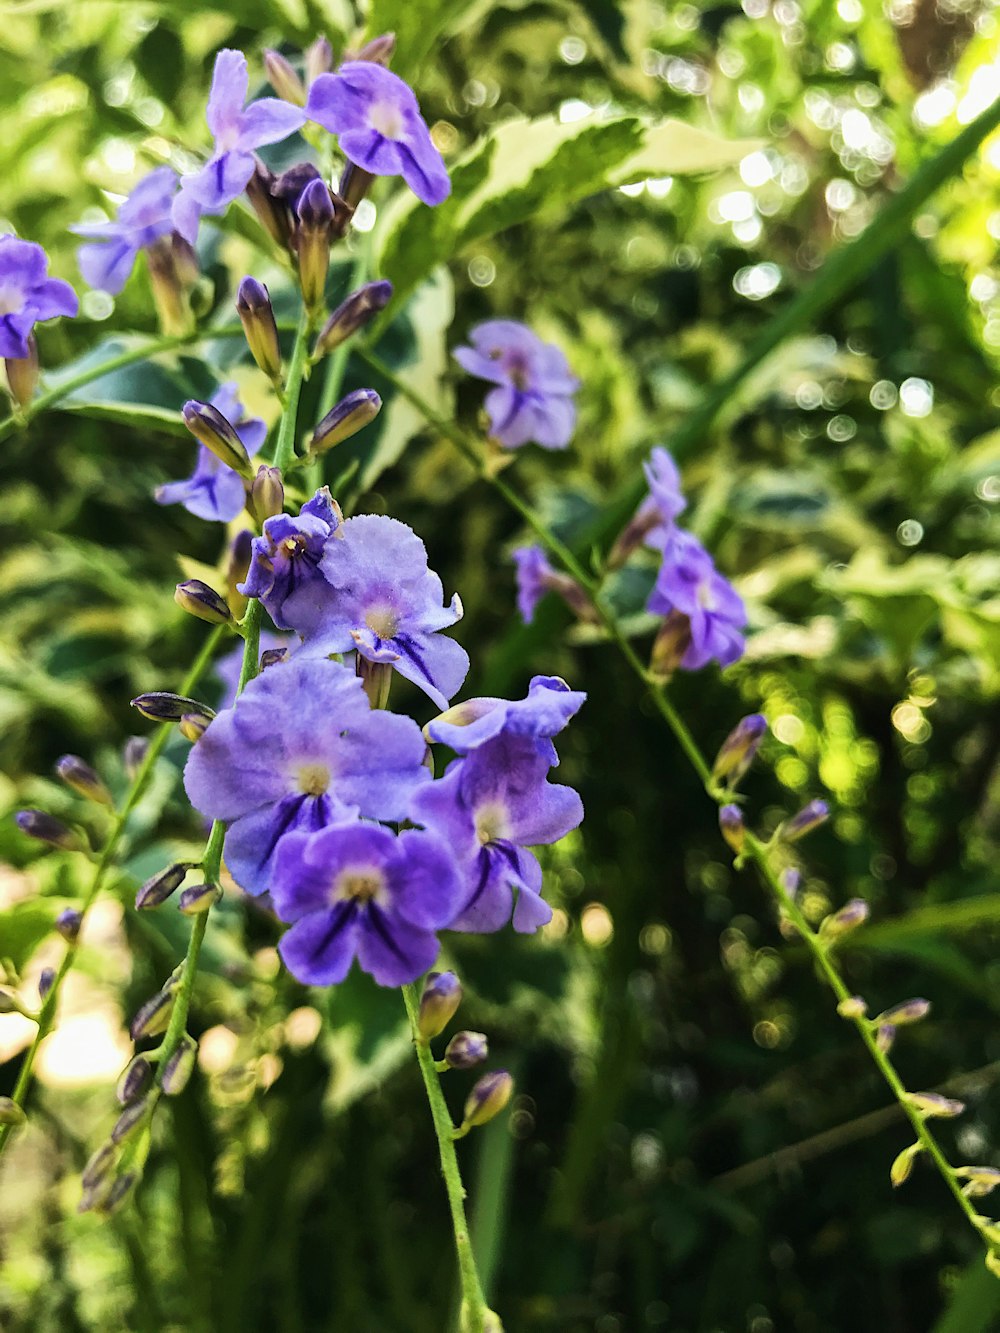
(23, 927)
(535, 168)
(417, 25)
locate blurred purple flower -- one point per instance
(214, 491)
(654, 519)
(358, 891)
(27, 296)
(689, 584)
(237, 131)
(534, 579)
(533, 400)
(377, 119)
(142, 220)
(300, 749)
(286, 560)
(542, 714)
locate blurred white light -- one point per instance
(982, 92)
(757, 281)
(748, 232)
(364, 216)
(660, 186)
(916, 397)
(910, 532)
(736, 206)
(572, 50)
(573, 109)
(934, 106)
(883, 395)
(756, 169)
(840, 195)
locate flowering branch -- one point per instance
(46, 1017)
(916, 1107)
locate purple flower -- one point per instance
(300, 749)
(379, 126)
(534, 575)
(358, 891)
(654, 519)
(227, 668)
(533, 400)
(27, 296)
(237, 131)
(142, 219)
(542, 714)
(488, 808)
(286, 560)
(214, 491)
(690, 584)
(383, 600)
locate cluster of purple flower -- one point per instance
(307, 772)
(704, 614)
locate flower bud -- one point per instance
(441, 998)
(283, 78)
(46, 980)
(237, 569)
(153, 1017)
(810, 817)
(198, 599)
(908, 1011)
(854, 913)
(99, 1165)
(136, 1079)
(68, 924)
(791, 881)
(982, 1180)
(933, 1104)
(670, 645)
(349, 416)
(22, 374)
(903, 1165)
(354, 184)
(379, 50)
(9, 1004)
(319, 58)
(739, 749)
(353, 313)
(78, 775)
(732, 827)
(210, 428)
(271, 212)
(853, 1007)
(46, 828)
(10, 1112)
(316, 215)
(199, 898)
(192, 726)
(253, 305)
(488, 1098)
(267, 494)
(884, 1038)
(170, 296)
(158, 888)
(133, 754)
(466, 1049)
(131, 1119)
(271, 657)
(179, 1067)
(289, 185)
(119, 1193)
(161, 706)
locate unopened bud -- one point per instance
(170, 294)
(78, 774)
(119, 1193)
(353, 313)
(9, 1004)
(210, 428)
(854, 913)
(349, 416)
(316, 215)
(46, 980)
(379, 50)
(438, 1004)
(670, 645)
(153, 1017)
(237, 569)
(271, 657)
(980, 1180)
(199, 898)
(884, 1038)
(158, 888)
(136, 1079)
(810, 817)
(853, 1007)
(283, 78)
(488, 1098)
(933, 1104)
(133, 753)
(99, 1165)
(271, 212)
(68, 923)
(22, 374)
(267, 494)
(355, 183)
(198, 599)
(46, 828)
(10, 1112)
(732, 827)
(739, 749)
(903, 1165)
(161, 706)
(791, 881)
(466, 1049)
(192, 726)
(908, 1011)
(178, 1068)
(253, 305)
(319, 58)
(131, 1120)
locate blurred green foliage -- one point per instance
(689, 1149)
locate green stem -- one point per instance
(46, 1017)
(284, 450)
(475, 1311)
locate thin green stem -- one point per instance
(476, 1315)
(47, 1014)
(284, 450)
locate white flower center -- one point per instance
(361, 885)
(11, 300)
(312, 779)
(382, 621)
(706, 597)
(491, 823)
(387, 120)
